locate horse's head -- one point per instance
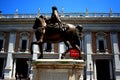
(80, 29)
(36, 23)
(39, 22)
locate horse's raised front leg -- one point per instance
(78, 48)
(31, 47)
(40, 49)
(64, 53)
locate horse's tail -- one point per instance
(80, 31)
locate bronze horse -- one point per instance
(70, 36)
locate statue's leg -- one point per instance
(48, 47)
(64, 53)
(76, 45)
(41, 51)
(31, 47)
(78, 48)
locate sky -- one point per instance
(32, 6)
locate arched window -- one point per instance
(24, 40)
(101, 42)
(2, 41)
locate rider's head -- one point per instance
(41, 16)
(54, 8)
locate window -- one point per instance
(101, 46)
(24, 40)
(101, 42)
(1, 44)
(24, 45)
(2, 38)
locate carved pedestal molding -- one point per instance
(57, 69)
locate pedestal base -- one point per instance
(57, 69)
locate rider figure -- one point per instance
(55, 19)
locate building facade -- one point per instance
(100, 45)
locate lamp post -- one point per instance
(90, 72)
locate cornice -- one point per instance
(72, 20)
(93, 20)
(17, 21)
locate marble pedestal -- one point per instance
(57, 69)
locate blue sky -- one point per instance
(31, 6)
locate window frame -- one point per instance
(2, 37)
(24, 36)
(101, 36)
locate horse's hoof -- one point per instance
(40, 57)
(48, 50)
(31, 60)
(31, 52)
(62, 57)
(80, 58)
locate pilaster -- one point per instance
(116, 54)
(35, 49)
(14, 69)
(89, 65)
(61, 49)
(9, 63)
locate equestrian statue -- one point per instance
(52, 30)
